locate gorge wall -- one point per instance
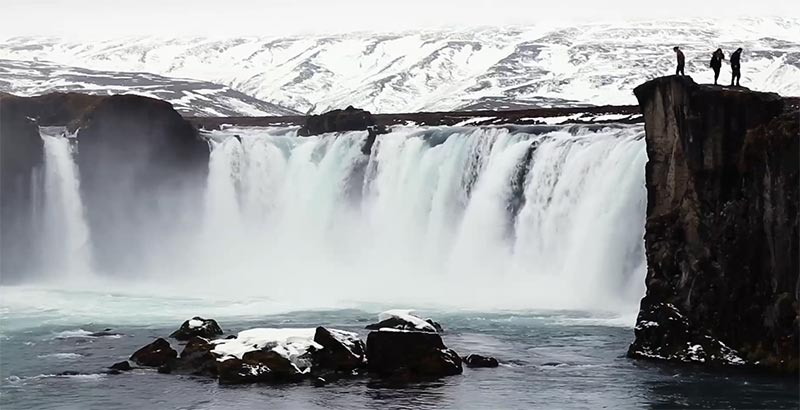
(722, 226)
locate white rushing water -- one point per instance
(452, 216)
(67, 249)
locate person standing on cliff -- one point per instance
(736, 67)
(681, 60)
(716, 63)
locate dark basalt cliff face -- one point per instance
(21, 163)
(722, 226)
(136, 156)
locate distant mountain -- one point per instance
(190, 97)
(486, 68)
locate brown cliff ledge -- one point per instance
(722, 226)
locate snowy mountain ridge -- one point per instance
(484, 68)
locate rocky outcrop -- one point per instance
(21, 163)
(155, 354)
(348, 119)
(55, 109)
(410, 354)
(341, 351)
(197, 327)
(140, 163)
(722, 227)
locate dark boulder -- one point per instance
(663, 333)
(476, 360)
(21, 162)
(259, 366)
(197, 327)
(721, 236)
(155, 354)
(143, 168)
(392, 353)
(341, 351)
(123, 366)
(349, 119)
(196, 359)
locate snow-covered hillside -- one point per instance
(446, 70)
(190, 97)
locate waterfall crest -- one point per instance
(533, 217)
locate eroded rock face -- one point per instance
(155, 354)
(722, 226)
(21, 160)
(349, 119)
(197, 327)
(143, 168)
(410, 354)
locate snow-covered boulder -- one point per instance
(340, 350)
(155, 354)
(270, 355)
(404, 319)
(410, 354)
(197, 327)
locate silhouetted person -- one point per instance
(716, 63)
(681, 61)
(736, 66)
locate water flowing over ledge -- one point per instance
(475, 217)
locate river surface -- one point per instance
(550, 359)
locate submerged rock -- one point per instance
(392, 353)
(197, 327)
(476, 360)
(722, 238)
(123, 366)
(155, 354)
(341, 351)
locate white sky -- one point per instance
(108, 18)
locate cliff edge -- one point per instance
(722, 226)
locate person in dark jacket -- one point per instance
(716, 63)
(736, 66)
(681, 61)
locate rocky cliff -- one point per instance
(21, 164)
(137, 158)
(722, 226)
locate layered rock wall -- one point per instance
(722, 226)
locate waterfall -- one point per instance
(486, 217)
(65, 237)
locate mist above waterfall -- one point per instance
(476, 218)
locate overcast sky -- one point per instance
(282, 17)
